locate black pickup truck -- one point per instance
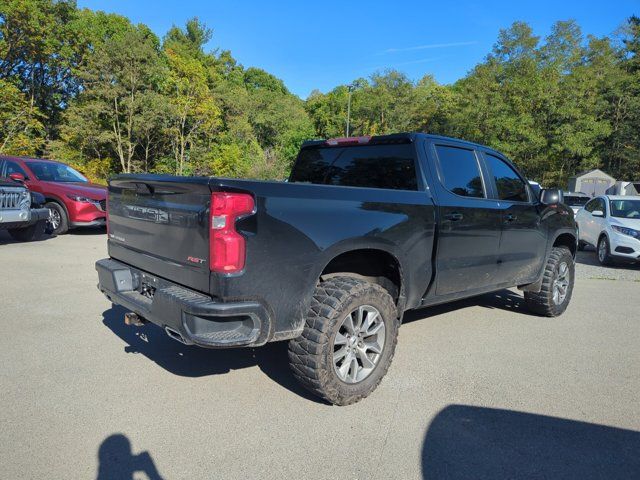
(365, 229)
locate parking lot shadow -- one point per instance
(589, 257)
(191, 361)
(116, 461)
(88, 231)
(502, 299)
(465, 442)
(5, 238)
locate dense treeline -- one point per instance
(105, 95)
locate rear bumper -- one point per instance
(196, 318)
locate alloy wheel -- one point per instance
(54, 219)
(561, 284)
(358, 344)
(602, 250)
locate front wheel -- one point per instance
(58, 223)
(348, 340)
(604, 252)
(557, 285)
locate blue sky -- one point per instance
(323, 44)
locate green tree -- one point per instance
(39, 48)
(21, 123)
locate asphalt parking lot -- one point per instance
(477, 389)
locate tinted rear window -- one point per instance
(372, 166)
(575, 201)
(460, 171)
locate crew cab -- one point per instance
(71, 199)
(365, 229)
(21, 212)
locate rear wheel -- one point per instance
(58, 223)
(604, 253)
(30, 233)
(557, 285)
(348, 340)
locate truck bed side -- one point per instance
(299, 229)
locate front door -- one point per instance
(592, 225)
(469, 221)
(523, 243)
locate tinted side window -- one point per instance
(460, 171)
(13, 167)
(373, 166)
(510, 186)
(591, 205)
(313, 165)
(602, 205)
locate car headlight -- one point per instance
(78, 198)
(626, 231)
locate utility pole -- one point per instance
(350, 89)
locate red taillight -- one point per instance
(348, 141)
(226, 245)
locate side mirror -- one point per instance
(18, 177)
(598, 213)
(551, 197)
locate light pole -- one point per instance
(350, 89)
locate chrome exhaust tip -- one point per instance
(175, 335)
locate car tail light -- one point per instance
(348, 141)
(226, 245)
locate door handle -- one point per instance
(454, 217)
(510, 218)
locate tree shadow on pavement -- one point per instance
(116, 461)
(465, 442)
(502, 300)
(191, 361)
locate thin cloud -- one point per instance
(429, 47)
(412, 62)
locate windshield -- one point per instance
(625, 208)
(575, 201)
(55, 172)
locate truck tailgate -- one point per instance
(159, 224)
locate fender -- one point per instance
(537, 285)
(366, 243)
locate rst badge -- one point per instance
(197, 260)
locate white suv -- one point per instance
(612, 225)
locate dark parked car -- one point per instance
(365, 229)
(71, 199)
(22, 213)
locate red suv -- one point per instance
(71, 199)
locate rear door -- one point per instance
(523, 242)
(160, 224)
(468, 220)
